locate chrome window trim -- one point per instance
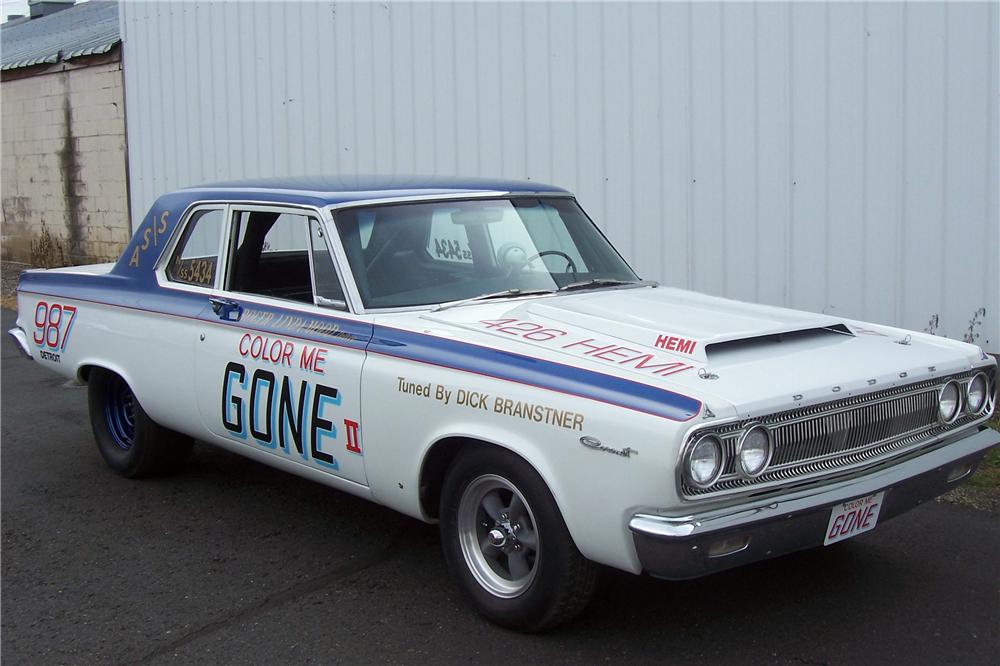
(320, 195)
(326, 217)
(341, 253)
(312, 267)
(427, 198)
(230, 207)
(312, 264)
(293, 209)
(160, 267)
(343, 266)
(818, 476)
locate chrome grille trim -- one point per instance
(819, 440)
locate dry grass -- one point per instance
(988, 474)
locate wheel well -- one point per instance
(84, 372)
(435, 466)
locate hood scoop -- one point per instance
(668, 325)
(730, 352)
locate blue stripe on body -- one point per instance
(534, 372)
(117, 291)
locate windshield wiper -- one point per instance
(607, 282)
(506, 293)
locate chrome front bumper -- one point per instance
(680, 547)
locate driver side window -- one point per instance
(282, 255)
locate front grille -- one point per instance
(825, 438)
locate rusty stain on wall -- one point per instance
(63, 164)
(69, 166)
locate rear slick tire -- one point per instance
(505, 541)
(130, 442)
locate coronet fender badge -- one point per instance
(594, 443)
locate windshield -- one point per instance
(436, 252)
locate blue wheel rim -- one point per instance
(119, 412)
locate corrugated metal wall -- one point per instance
(833, 157)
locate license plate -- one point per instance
(852, 518)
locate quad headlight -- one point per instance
(753, 452)
(705, 461)
(949, 401)
(976, 393)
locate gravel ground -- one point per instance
(9, 273)
(977, 497)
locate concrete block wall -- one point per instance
(64, 165)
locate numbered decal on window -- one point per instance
(451, 250)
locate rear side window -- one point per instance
(196, 257)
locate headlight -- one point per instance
(949, 400)
(704, 461)
(754, 451)
(976, 393)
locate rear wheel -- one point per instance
(129, 441)
(506, 542)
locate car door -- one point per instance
(279, 360)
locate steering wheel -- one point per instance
(570, 264)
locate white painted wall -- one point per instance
(839, 158)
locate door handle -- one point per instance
(226, 308)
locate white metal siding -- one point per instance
(833, 157)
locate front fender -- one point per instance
(408, 407)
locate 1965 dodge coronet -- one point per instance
(476, 353)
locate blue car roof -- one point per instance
(343, 189)
(144, 249)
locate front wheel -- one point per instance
(130, 442)
(506, 542)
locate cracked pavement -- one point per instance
(233, 562)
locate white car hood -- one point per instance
(729, 354)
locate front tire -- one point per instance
(506, 542)
(130, 442)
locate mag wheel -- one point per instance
(498, 537)
(128, 440)
(506, 542)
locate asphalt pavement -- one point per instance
(233, 562)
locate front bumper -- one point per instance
(679, 547)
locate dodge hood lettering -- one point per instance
(756, 356)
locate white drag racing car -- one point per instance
(476, 353)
